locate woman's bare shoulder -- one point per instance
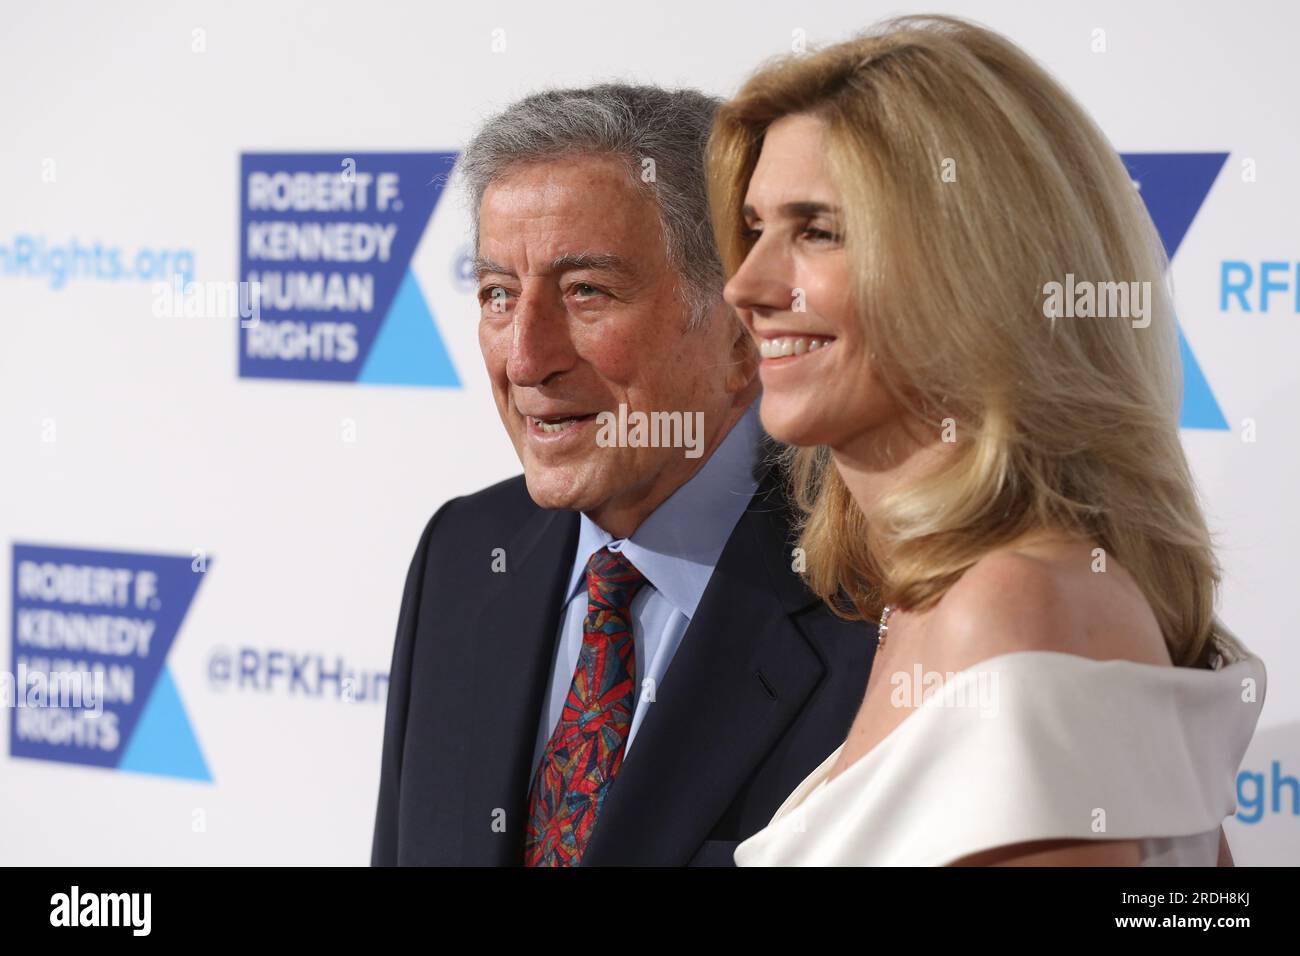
(1055, 595)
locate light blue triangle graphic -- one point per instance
(1174, 187)
(408, 349)
(164, 742)
(1200, 410)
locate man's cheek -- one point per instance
(494, 343)
(617, 359)
(503, 409)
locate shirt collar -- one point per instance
(678, 545)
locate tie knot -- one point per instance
(612, 580)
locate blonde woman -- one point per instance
(999, 482)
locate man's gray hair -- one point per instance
(634, 123)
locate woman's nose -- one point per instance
(762, 281)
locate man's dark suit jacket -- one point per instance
(764, 686)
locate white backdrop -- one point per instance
(124, 125)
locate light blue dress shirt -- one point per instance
(676, 548)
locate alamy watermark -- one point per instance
(651, 430)
(973, 689)
(179, 299)
(1102, 300)
(49, 688)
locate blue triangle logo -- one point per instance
(163, 742)
(408, 349)
(1174, 187)
(1200, 410)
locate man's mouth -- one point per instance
(556, 424)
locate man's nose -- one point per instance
(540, 344)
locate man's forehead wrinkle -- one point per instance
(535, 220)
(600, 261)
(550, 187)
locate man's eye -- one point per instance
(585, 289)
(494, 297)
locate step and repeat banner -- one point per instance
(211, 508)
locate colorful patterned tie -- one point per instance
(586, 750)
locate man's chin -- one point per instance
(557, 491)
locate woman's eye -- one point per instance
(821, 235)
(750, 235)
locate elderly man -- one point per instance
(608, 660)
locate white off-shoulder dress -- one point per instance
(1035, 745)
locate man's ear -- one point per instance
(743, 368)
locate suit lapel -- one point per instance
(740, 676)
(514, 648)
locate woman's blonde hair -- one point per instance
(969, 179)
